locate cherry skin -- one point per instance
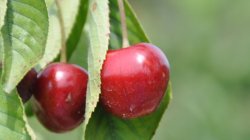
(25, 87)
(60, 93)
(134, 80)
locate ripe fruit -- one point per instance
(60, 96)
(26, 86)
(134, 80)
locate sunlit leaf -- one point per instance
(24, 34)
(98, 24)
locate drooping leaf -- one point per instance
(104, 126)
(74, 16)
(98, 23)
(24, 34)
(13, 124)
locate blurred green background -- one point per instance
(208, 45)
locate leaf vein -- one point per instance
(25, 45)
(30, 34)
(32, 20)
(30, 7)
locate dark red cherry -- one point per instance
(134, 80)
(26, 86)
(60, 93)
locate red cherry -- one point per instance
(60, 96)
(26, 86)
(134, 80)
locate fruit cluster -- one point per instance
(134, 81)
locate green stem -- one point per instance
(125, 42)
(63, 38)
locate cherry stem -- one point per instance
(63, 40)
(125, 42)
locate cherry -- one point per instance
(60, 96)
(25, 87)
(134, 80)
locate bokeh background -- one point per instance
(208, 45)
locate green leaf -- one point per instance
(3, 8)
(80, 54)
(104, 126)
(13, 124)
(74, 16)
(98, 23)
(24, 37)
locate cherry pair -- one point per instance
(134, 81)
